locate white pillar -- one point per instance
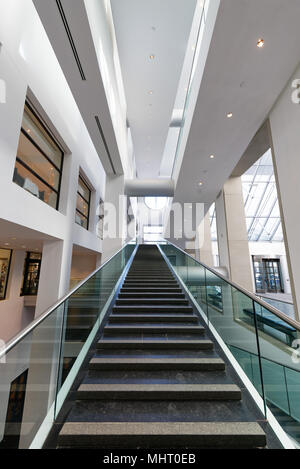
(55, 274)
(115, 219)
(285, 138)
(232, 233)
(203, 245)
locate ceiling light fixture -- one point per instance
(260, 43)
(150, 92)
(229, 115)
(200, 184)
(6, 244)
(152, 56)
(212, 157)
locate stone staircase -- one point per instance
(156, 380)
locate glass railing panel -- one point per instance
(275, 385)
(293, 392)
(265, 344)
(229, 311)
(34, 372)
(84, 312)
(28, 384)
(278, 342)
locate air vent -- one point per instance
(70, 37)
(105, 143)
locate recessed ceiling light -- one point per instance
(212, 157)
(260, 43)
(152, 56)
(150, 92)
(229, 115)
(200, 184)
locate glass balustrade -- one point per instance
(263, 340)
(37, 368)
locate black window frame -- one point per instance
(8, 272)
(88, 202)
(32, 141)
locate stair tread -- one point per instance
(163, 428)
(147, 388)
(156, 360)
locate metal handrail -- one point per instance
(15, 340)
(264, 304)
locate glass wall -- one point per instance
(39, 161)
(5, 257)
(83, 204)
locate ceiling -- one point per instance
(19, 237)
(242, 79)
(162, 29)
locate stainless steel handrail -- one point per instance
(15, 340)
(264, 304)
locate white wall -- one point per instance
(11, 308)
(28, 65)
(285, 135)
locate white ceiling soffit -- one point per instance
(242, 79)
(144, 28)
(67, 26)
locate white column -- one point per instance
(54, 275)
(115, 220)
(203, 245)
(285, 137)
(232, 234)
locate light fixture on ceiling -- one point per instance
(212, 157)
(152, 56)
(260, 43)
(150, 92)
(6, 244)
(229, 115)
(200, 183)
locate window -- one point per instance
(5, 257)
(153, 233)
(31, 274)
(83, 204)
(39, 160)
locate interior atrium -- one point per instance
(149, 229)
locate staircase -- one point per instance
(156, 380)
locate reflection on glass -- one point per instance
(82, 204)
(39, 160)
(24, 178)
